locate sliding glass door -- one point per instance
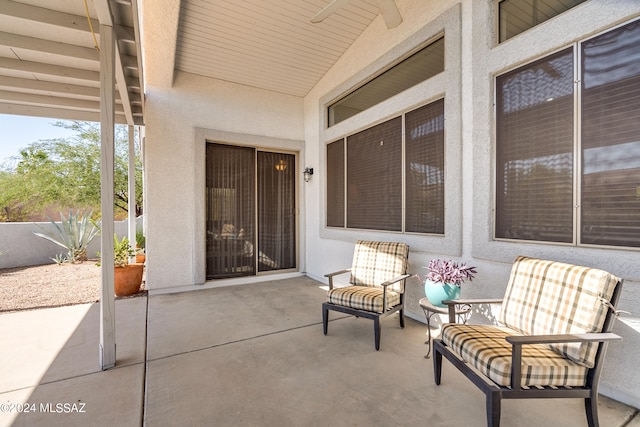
(276, 211)
(251, 223)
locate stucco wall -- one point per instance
(25, 248)
(178, 119)
(469, 140)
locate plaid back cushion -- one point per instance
(377, 262)
(547, 297)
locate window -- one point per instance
(516, 16)
(335, 184)
(424, 169)
(375, 173)
(554, 119)
(374, 177)
(417, 68)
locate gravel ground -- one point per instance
(50, 285)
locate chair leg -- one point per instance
(401, 314)
(325, 319)
(437, 366)
(376, 331)
(591, 406)
(493, 409)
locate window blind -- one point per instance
(424, 169)
(534, 151)
(229, 215)
(610, 208)
(374, 177)
(335, 184)
(276, 211)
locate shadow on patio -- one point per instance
(243, 355)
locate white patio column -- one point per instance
(132, 191)
(107, 120)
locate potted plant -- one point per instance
(140, 244)
(444, 279)
(127, 277)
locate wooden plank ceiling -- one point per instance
(49, 64)
(269, 44)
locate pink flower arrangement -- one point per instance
(449, 272)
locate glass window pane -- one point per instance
(276, 211)
(417, 68)
(610, 208)
(230, 211)
(517, 16)
(335, 184)
(534, 164)
(425, 169)
(374, 177)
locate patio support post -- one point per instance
(107, 120)
(132, 190)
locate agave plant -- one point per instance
(73, 233)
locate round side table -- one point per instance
(462, 311)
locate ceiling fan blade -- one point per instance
(390, 13)
(328, 10)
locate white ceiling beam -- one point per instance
(50, 70)
(105, 17)
(16, 84)
(46, 16)
(160, 22)
(51, 101)
(47, 46)
(55, 113)
(138, 48)
(60, 19)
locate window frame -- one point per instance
(447, 85)
(498, 21)
(577, 150)
(395, 66)
(402, 171)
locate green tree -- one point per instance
(66, 172)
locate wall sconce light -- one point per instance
(307, 174)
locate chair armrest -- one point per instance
(451, 303)
(335, 273)
(517, 341)
(330, 276)
(395, 280)
(390, 282)
(553, 339)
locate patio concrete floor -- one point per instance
(251, 355)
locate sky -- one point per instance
(17, 132)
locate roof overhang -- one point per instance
(50, 63)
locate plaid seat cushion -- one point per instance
(547, 297)
(377, 262)
(485, 348)
(363, 298)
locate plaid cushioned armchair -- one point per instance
(378, 275)
(551, 340)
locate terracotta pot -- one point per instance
(127, 279)
(140, 258)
